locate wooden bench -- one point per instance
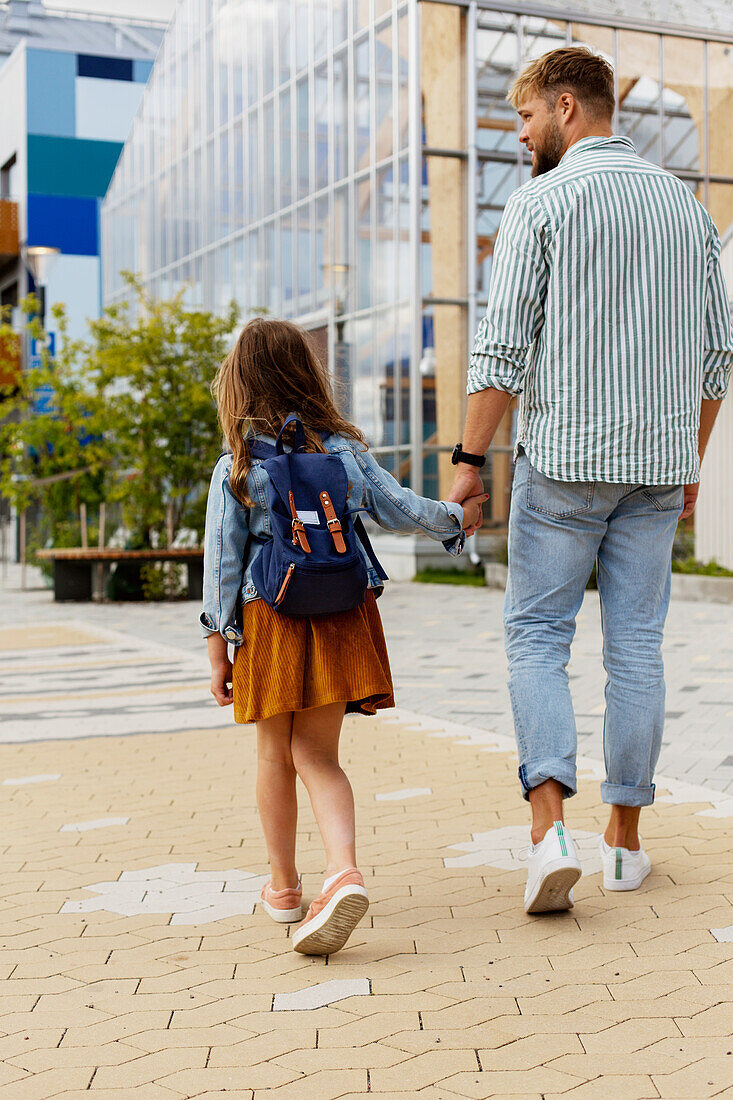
(73, 568)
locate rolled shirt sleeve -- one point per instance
(718, 350)
(515, 311)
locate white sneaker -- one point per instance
(622, 868)
(553, 870)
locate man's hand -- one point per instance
(467, 483)
(691, 492)
(472, 514)
(221, 682)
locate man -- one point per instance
(608, 314)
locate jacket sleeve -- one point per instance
(396, 508)
(225, 542)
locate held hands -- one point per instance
(468, 490)
(472, 514)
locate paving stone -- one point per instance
(625, 996)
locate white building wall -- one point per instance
(714, 512)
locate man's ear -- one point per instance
(567, 107)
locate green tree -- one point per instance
(127, 415)
(151, 364)
(50, 453)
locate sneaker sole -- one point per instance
(329, 931)
(628, 884)
(553, 892)
(282, 916)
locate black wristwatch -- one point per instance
(459, 455)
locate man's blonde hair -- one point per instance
(573, 69)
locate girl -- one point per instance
(297, 677)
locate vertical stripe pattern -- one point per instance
(608, 313)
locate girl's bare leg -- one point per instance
(276, 797)
(314, 745)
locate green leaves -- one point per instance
(129, 413)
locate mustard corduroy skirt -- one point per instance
(287, 664)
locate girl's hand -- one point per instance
(472, 514)
(221, 682)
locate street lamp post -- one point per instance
(39, 259)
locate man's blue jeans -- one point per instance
(557, 530)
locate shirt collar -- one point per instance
(599, 142)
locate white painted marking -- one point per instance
(22, 780)
(325, 993)
(405, 792)
(193, 897)
(723, 935)
(99, 823)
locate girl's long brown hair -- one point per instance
(271, 371)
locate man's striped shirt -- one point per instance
(609, 314)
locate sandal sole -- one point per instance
(329, 931)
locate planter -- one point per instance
(696, 586)
(496, 575)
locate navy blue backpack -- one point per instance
(312, 564)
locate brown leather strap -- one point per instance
(284, 586)
(333, 522)
(299, 536)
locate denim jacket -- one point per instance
(228, 573)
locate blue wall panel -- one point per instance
(66, 166)
(64, 222)
(51, 85)
(141, 70)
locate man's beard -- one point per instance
(548, 154)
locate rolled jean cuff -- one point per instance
(614, 794)
(532, 775)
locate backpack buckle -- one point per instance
(333, 523)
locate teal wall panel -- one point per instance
(71, 166)
(51, 92)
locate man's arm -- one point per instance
(709, 410)
(514, 316)
(717, 358)
(483, 415)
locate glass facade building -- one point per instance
(346, 162)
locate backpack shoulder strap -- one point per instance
(363, 537)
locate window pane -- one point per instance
(384, 266)
(302, 34)
(340, 21)
(389, 382)
(284, 39)
(364, 244)
(320, 28)
(321, 244)
(720, 108)
(321, 122)
(384, 118)
(497, 53)
(341, 116)
(305, 257)
(683, 103)
(286, 135)
(402, 71)
(540, 36)
(639, 92)
(361, 106)
(268, 173)
(286, 260)
(303, 139)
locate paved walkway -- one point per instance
(135, 956)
